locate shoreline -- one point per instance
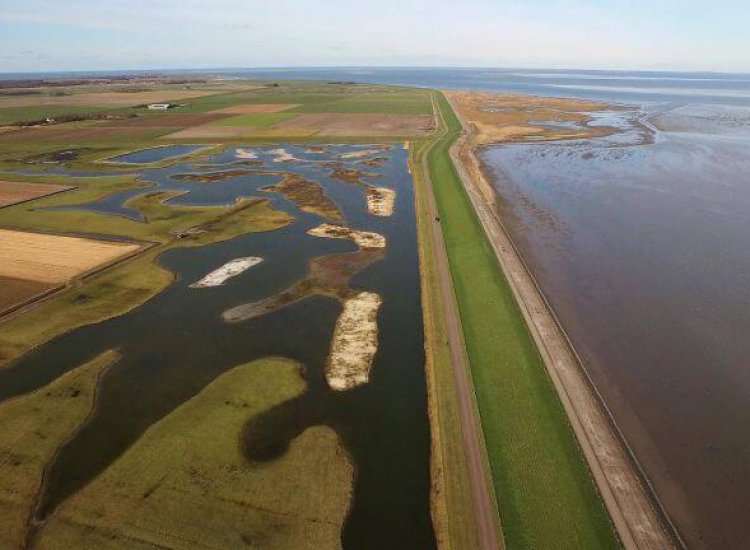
(634, 508)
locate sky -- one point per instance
(59, 35)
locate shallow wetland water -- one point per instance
(177, 342)
(640, 242)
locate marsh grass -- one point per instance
(185, 483)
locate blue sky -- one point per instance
(38, 35)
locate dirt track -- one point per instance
(637, 518)
(482, 493)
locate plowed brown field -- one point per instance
(15, 292)
(249, 109)
(13, 192)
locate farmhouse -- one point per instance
(160, 106)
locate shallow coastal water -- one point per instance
(640, 244)
(177, 343)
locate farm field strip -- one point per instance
(14, 192)
(54, 258)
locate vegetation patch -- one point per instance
(327, 276)
(308, 195)
(32, 428)
(185, 483)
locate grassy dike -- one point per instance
(544, 490)
(451, 505)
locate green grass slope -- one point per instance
(546, 496)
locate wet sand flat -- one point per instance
(640, 246)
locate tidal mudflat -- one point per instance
(638, 239)
(172, 348)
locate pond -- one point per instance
(177, 343)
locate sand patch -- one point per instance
(509, 117)
(355, 342)
(359, 154)
(282, 155)
(380, 201)
(364, 239)
(230, 269)
(245, 154)
(250, 109)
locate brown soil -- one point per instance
(327, 275)
(16, 292)
(12, 192)
(54, 258)
(343, 174)
(359, 124)
(208, 131)
(249, 109)
(76, 134)
(213, 177)
(164, 120)
(507, 117)
(105, 99)
(377, 161)
(308, 195)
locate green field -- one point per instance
(32, 427)
(186, 484)
(546, 496)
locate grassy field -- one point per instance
(185, 483)
(544, 490)
(32, 428)
(451, 501)
(259, 120)
(120, 136)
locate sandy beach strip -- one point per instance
(380, 201)
(364, 239)
(230, 269)
(355, 342)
